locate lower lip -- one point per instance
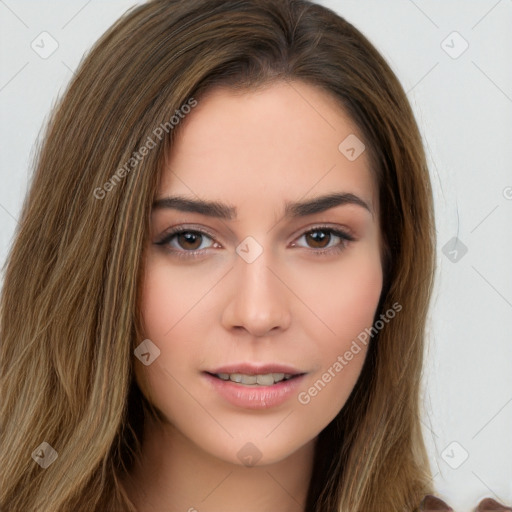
(255, 397)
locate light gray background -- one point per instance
(463, 103)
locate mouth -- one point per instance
(250, 374)
(250, 386)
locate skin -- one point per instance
(292, 304)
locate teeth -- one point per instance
(249, 379)
(267, 379)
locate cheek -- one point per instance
(344, 296)
(172, 300)
(354, 307)
(168, 306)
(170, 295)
(346, 305)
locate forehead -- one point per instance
(277, 143)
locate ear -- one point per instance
(490, 505)
(431, 503)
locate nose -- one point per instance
(258, 300)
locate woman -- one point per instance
(276, 362)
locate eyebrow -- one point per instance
(292, 209)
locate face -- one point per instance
(263, 268)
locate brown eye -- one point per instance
(186, 240)
(319, 238)
(325, 239)
(189, 240)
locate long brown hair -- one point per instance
(69, 306)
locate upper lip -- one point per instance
(256, 369)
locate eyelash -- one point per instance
(168, 236)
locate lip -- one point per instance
(255, 397)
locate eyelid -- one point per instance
(345, 231)
(169, 232)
